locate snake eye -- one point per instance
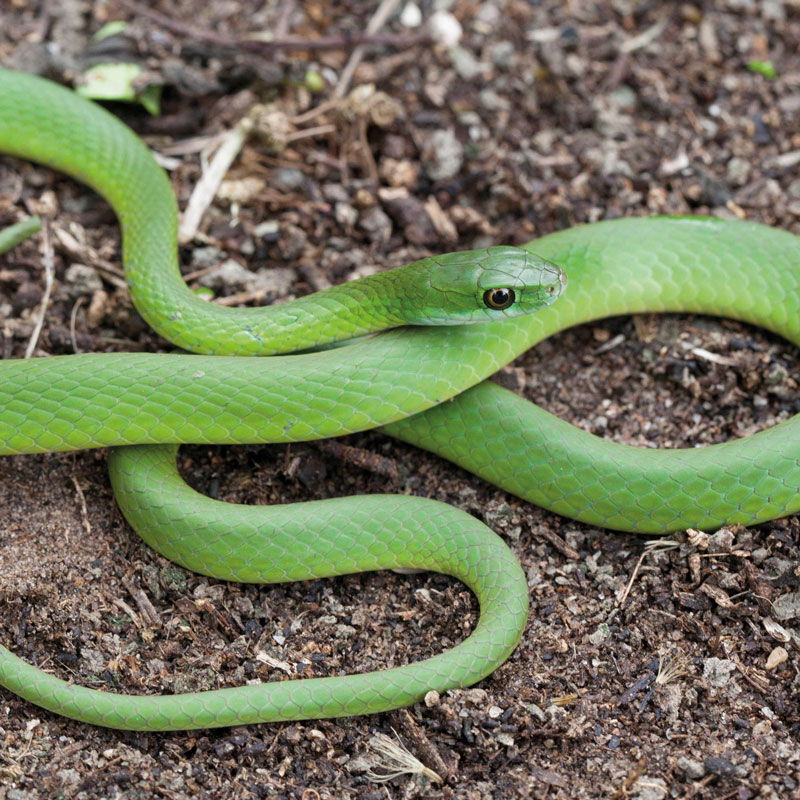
(498, 299)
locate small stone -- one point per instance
(761, 131)
(376, 224)
(268, 229)
(443, 155)
(243, 190)
(649, 787)
(345, 215)
(82, 279)
(717, 671)
(335, 193)
(738, 171)
(445, 29)
(674, 165)
(476, 696)
(495, 712)
(398, 172)
(691, 768)
(600, 635)
(432, 699)
(411, 16)
(492, 101)
(287, 179)
(787, 606)
(776, 658)
(503, 54)
(623, 98)
(231, 277)
(291, 242)
(721, 541)
(203, 257)
(763, 728)
(466, 65)
(790, 103)
(716, 765)
(229, 274)
(713, 192)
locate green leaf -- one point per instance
(110, 29)
(117, 82)
(765, 68)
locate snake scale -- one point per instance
(143, 405)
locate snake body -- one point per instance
(398, 379)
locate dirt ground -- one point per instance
(543, 115)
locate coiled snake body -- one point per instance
(399, 380)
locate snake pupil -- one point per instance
(498, 298)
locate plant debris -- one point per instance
(482, 123)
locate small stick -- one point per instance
(267, 47)
(206, 188)
(73, 317)
(87, 526)
(49, 271)
(382, 13)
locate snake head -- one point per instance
(482, 285)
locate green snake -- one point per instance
(402, 380)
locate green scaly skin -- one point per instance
(398, 379)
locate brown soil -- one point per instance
(550, 114)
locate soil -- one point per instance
(545, 115)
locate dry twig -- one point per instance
(49, 273)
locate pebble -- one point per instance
(466, 65)
(716, 765)
(493, 101)
(503, 54)
(649, 787)
(761, 131)
(288, 179)
(432, 698)
(335, 193)
(232, 276)
(267, 229)
(623, 98)
(411, 16)
(600, 635)
(717, 671)
(203, 257)
(790, 104)
(445, 29)
(691, 768)
(738, 171)
(776, 658)
(376, 224)
(82, 279)
(345, 215)
(763, 728)
(443, 155)
(291, 242)
(722, 540)
(787, 606)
